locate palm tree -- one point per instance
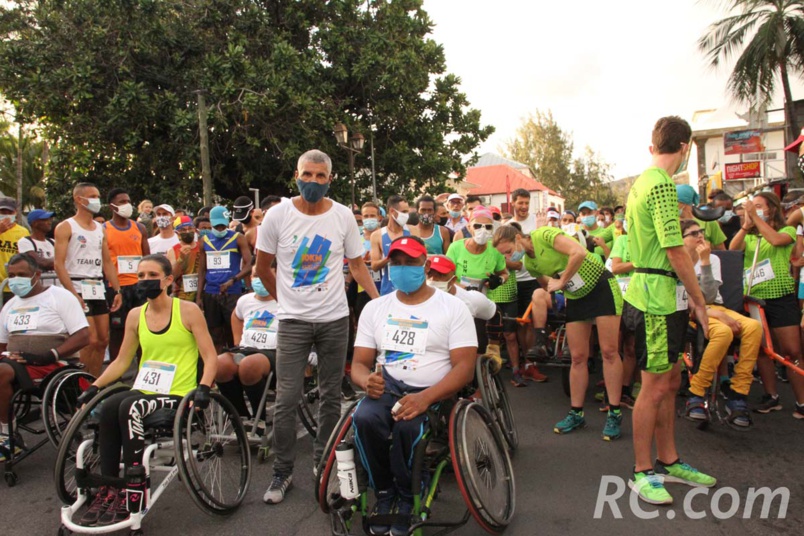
(771, 36)
(32, 172)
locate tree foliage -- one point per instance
(32, 166)
(547, 150)
(115, 84)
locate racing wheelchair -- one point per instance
(207, 449)
(461, 436)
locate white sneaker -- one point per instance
(275, 493)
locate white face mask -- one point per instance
(569, 228)
(401, 218)
(482, 236)
(7, 217)
(440, 285)
(93, 204)
(124, 210)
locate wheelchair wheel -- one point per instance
(494, 398)
(307, 409)
(59, 401)
(327, 472)
(213, 454)
(482, 467)
(82, 427)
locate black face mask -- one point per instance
(187, 238)
(149, 288)
(442, 221)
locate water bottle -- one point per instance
(347, 473)
(136, 483)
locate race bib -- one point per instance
(408, 336)
(155, 377)
(473, 283)
(22, 319)
(762, 273)
(259, 331)
(92, 290)
(376, 276)
(217, 260)
(575, 283)
(623, 282)
(128, 264)
(682, 301)
(189, 282)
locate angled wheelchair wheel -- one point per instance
(482, 467)
(82, 427)
(307, 409)
(494, 398)
(327, 471)
(59, 401)
(213, 455)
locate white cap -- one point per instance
(454, 196)
(166, 207)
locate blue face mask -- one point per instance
(259, 288)
(312, 192)
(455, 213)
(589, 221)
(726, 217)
(516, 256)
(205, 232)
(219, 234)
(408, 279)
(371, 224)
(20, 286)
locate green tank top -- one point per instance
(434, 244)
(176, 346)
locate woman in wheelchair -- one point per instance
(171, 333)
(724, 326)
(38, 326)
(765, 236)
(246, 367)
(427, 345)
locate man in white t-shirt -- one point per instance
(41, 222)
(38, 327)
(167, 238)
(426, 343)
(308, 236)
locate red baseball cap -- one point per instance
(409, 246)
(495, 210)
(441, 264)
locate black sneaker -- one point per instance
(404, 508)
(347, 390)
(103, 499)
(117, 510)
(384, 506)
(798, 413)
(769, 403)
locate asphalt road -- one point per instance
(558, 481)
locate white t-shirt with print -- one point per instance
(413, 341)
(309, 259)
(54, 311)
(528, 225)
(259, 322)
(479, 305)
(716, 275)
(161, 246)
(43, 250)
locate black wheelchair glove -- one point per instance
(201, 398)
(38, 360)
(87, 395)
(495, 281)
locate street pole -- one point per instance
(19, 169)
(373, 174)
(206, 173)
(352, 175)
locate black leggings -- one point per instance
(121, 425)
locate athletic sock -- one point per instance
(579, 411)
(233, 391)
(254, 394)
(614, 409)
(660, 462)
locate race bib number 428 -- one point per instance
(405, 335)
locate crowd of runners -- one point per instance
(397, 299)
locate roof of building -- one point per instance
(492, 180)
(491, 159)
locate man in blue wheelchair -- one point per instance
(426, 344)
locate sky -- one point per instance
(606, 69)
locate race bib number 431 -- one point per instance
(155, 377)
(405, 335)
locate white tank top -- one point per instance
(84, 253)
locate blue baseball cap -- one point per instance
(219, 216)
(591, 205)
(38, 214)
(687, 194)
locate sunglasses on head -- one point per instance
(695, 234)
(478, 226)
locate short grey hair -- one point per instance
(316, 157)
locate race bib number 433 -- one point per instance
(405, 335)
(22, 319)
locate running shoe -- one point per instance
(649, 487)
(739, 410)
(569, 423)
(404, 508)
(280, 485)
(769, 403)
(612, 429)
(798, 413)
(103, 499)
(347, 390)
(117, 510)
(532, 373)
(383, 506)
(682, 473)
(538, 352)
(517, 380)
(627, 402)
(5, 446)
(695, 408)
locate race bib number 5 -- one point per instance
(128, 264)
(407, 336)
(155, 377)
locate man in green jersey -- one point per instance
(658, 303)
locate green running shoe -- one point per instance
(612, 429)
(649, 487)
(569, 423)
(682, 473)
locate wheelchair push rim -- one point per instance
(59, 401)
(482, 466)
(212, 453)
(494, 398)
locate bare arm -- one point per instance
(202, 273)
(357, 267)
(74, 343)
(237, 329)
(378, 262)
(445, 240)
(362, 363)
(619, 267)
(264, 272)
(575, 252)
(146, 247)
(62, 241)
(682, 264)
(242, 245)
(108, 267)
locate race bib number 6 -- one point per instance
(408, 336)
(155, 377)
(92, 290)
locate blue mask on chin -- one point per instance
(408, 279)
(219, 234)
(259, 288)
